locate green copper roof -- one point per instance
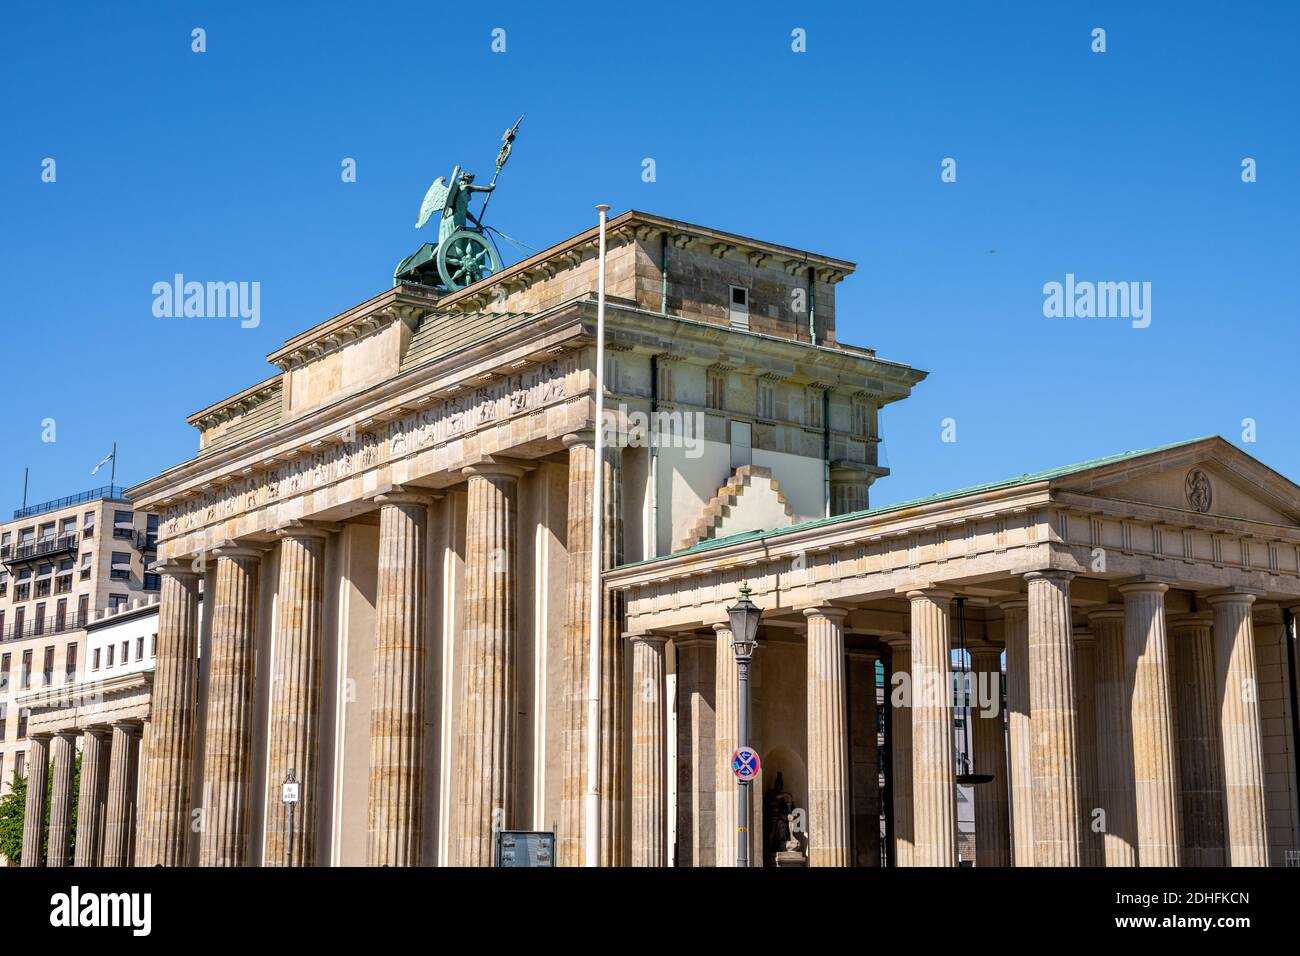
(1025, 479)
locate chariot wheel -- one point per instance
(465, 258)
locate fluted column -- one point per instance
(1237, 687)
(934, 787)
(696, 809)
(93, 796)
(726, 729)
(65, 755)
(898, 698)
(582, 471)
(228, 737)
(38, 766)
(170, 759)
(121, 795)
(649, 753)
(1016, 631)
(864, 757)
(1091, 822)
(1114, 739)
(992, 830)
(1155, 764)
(396, 786)
(485, 724)
(1196, 725)
(1053, 720)
(829, 831)
(295, 695)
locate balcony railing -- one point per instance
(73, 622)
(41, 548)
(109, 492)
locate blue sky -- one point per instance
(225, 165)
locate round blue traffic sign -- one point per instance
(744, 763)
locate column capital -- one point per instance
(937, 595)
(41, 737)
(67, 733)
(897, 639)
(490, 466)
(1230, 597)
(306, 528)
(828, 611)
(1143, 587)
(239, 549)
(402, 495)
(1107, 612)
(176, 568)
(1050, 574)
(1190, 620)
(1014, 604)
(720, 626)
(646, 637)
(585, 436)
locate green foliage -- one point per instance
(13, 806)
(13, 811)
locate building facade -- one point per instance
(61, 563)
(393, 534)
(104, 717)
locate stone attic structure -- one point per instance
(393, 538)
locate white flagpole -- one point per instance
(591, 821)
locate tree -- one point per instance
(13, 807)
(13, 811)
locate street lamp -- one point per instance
(744, 615)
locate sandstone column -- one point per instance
(1053, 719)
(649, 753)
(65, 755)
(829, 829)
(1114, 739)
(485, 724)
(864, 757)
(295, 694)
(228, 735)
(1238, 699)
(170, 759)
(1196, 725)
(1016, 629)
(726, 693)
(93, 796)
(38, 765)
(992, 832)
(1155, 766)
(696, 786)
(582, 471)
(900, 748)
(396, 783)
(934, 786)
(121, 798)
(1092, 851)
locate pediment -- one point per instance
(1209, 477)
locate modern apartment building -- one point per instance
(61, 562)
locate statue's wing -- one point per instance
(434, 201)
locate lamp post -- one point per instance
(744, 615)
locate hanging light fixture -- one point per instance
(966, 775)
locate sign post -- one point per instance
(289, 796)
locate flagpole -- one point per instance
(591, 827)
(112, 474)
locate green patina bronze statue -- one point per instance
(464, 253)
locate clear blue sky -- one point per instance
(226, 166)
